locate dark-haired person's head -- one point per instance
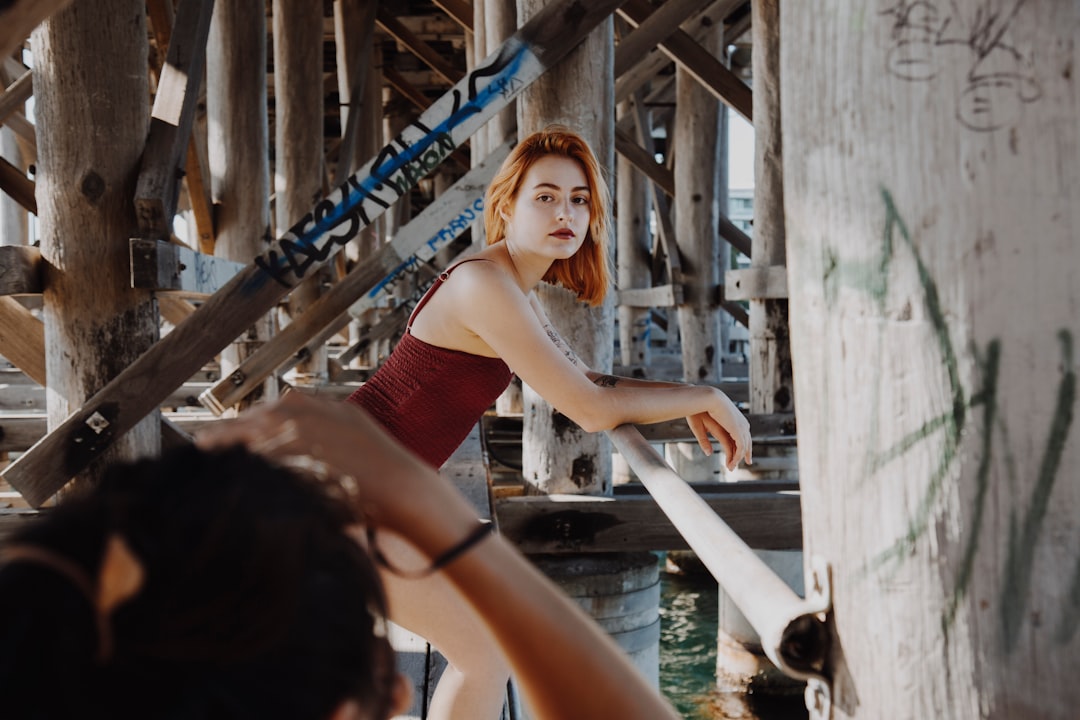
(198, 585)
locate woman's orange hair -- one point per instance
(588, 272)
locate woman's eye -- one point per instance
(544, 198)
(581, 201)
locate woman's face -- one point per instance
(550, 214)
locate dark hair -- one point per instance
(255, 603)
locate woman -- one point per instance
(214, 583)
(546, 217)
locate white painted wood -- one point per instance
(932, 196)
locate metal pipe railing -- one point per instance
(792, 629)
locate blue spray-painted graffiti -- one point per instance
(350, 207)
(437, 242)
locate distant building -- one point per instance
(741, 214)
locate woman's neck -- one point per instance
(528, 269)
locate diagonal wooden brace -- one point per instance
(537, 46)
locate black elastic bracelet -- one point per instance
(481, 531)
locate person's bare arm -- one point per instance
(702, 425)
(537, 626)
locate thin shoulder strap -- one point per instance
(435, 286)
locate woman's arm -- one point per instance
(701, 424)
(566, 664)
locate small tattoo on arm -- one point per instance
(558, 341)
(606, 381)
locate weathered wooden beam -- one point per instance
(655, 60)
(174, 309)
(14, 182)
(16, 94)
(165, 156)
(383, 329)
(737, 311)
(756, 283)
(22, 339)
(645, 162)
(164, 266)
(19, 17)
(374, 278)
(23, 393)
(20, 270)
(459, 11)
(417, 47)
(352, 60)
(577, 523)
(706, 69)
(736, 237)
(659, 296)
(136, 391)
(26, 132)
(656, 28)
(421, 102)
(20, 431)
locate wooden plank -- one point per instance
(164, 266)
(651, 63)
(21, 393)
(645, 162)
(384, 329)
(20, 431)
(458, 11)
(22, 339)
(656, 28)
(370, 281)
(14, 182)
(421, 102)
(16, 94)
(22, 127)
(578, 523)
(659, 296)
(138, 390)
(173, 308)
(417, 47)
(166, 152)
(706, 69)
(20, 270)
(19, 17)
(756, 283)
(735, 237)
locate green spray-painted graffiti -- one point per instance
(873, 278)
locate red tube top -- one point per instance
(430, 397)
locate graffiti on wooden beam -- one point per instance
(977, 410)
(433, 245)
(418, 149)
(930, 37)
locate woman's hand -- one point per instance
(725, 422)
(342, 439)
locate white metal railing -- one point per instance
(792, 629)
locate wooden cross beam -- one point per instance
(433, 229)
(417, 47)
(706, 69)
(14, 182)
(19, 17)
(166, 154)
(650, 63)
(136, 391)
(22, 339)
